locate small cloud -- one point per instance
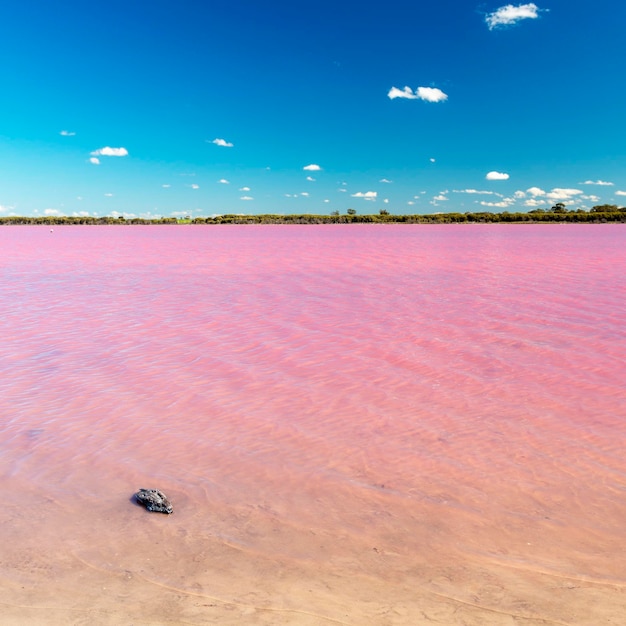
(310, 178)
(497, 176)
(305, 193)
(384, 180)
(563, 194)
(223, 181)
(440, 198)
(94, 160)
(536, 191)
(244, 189)
(432, 160)
(108, 195)
(591, 198)
(519, 195)
(52, 212)
(489, 193)
(246, 198)
(166, 186)
(112, 152)
(501, 205)
(429, 94)
(367, 195)
(312, 168)
(620, 193)
(194, 186)
(509, 15)
(67, 133)
(533, 202)
(223, 143)
(597, 182)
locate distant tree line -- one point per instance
(602, 213)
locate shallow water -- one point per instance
(356, 424)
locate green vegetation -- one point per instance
(558, 213)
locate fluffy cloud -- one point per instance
(112, 152)
(500, 205)
(223, 143)
(440, 198)
(620, 193)
(367, 195)
(497, 176)
(384, 180)
(246, 198)
(94, 160)
(533, 203)
(510, 14)
(597, 182)
(312, 168)
(224, 181)
(166, 186)
(67, 133)
(429, 94)
(310, 179)
(536, 191)
(194, 186)
(563, 194)
(488, 193)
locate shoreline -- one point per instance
(594, 216)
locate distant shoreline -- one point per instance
(597, 215)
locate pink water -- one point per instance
(356, 424)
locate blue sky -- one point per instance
(200, 108)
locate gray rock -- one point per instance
(154, 500)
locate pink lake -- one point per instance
(356, 424)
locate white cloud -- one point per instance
(108, 195)
(4, 209)
(501, 205)
(497, 176)
(244, 189)
(194, 186)
(52, 212)
(108, 151)
(620, 193)
(223, 143)
(312, 168)
(597, 182)
(246, 198)
(519, 195)
(536, 191)
(224, 181)
(563, 194)
(166, 186)
(367, 195)
(489, 193)
(533, 203)
(310, 178)
(67, 133)
(384, 180)
(510, 14)
(591, 198)
(432, 160)
(94, 160)
(305, 193)
(429, 94)
(440, 198)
